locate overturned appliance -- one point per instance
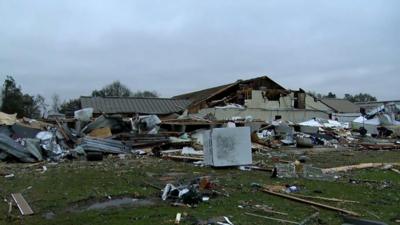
(227, 147)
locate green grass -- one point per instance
(71, 183)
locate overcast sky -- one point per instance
(173, 47)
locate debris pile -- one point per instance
(205, 142)
(189, 137)
(199, 190)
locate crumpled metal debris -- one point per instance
(48, 141)
(11, 147)
(33, 146)
(104, 145)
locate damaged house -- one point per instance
(261, 98)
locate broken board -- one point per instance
(23, 206)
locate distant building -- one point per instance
(130, 106)
(343, 109)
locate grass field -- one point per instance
(54, 194)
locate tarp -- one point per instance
(8, 119)
(361, 119)
(311, 123)
(84, 114)
(104, 132)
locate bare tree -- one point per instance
(115, 89)
(56, 103)
(145, 94)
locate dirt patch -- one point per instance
(110, 203)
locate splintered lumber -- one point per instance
(9, 207)
(62, 130)
(382, 146)
(183, 158)
(258, 168)
(359, 166)
(178, 218)
(311, 202)
(271, 218)
(325, 199)
(23, 206)
(395, 170)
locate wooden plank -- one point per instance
(325, 199)
(311, 203)
(23, 206)
(395, 170)
(183, 158)
(359, 166)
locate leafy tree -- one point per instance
(349, 97)
(315, 94)
(115, 89)
(330, 95)
(70, 106)
(14, 101)
(146, 94)
(12, 97)
(361, 97)
(320, 96)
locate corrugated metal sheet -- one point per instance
(123, 105)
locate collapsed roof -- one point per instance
(228, 92)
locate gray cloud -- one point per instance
(73, 47)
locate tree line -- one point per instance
(361, 97)
(33, 106)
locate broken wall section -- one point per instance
(292, 115)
